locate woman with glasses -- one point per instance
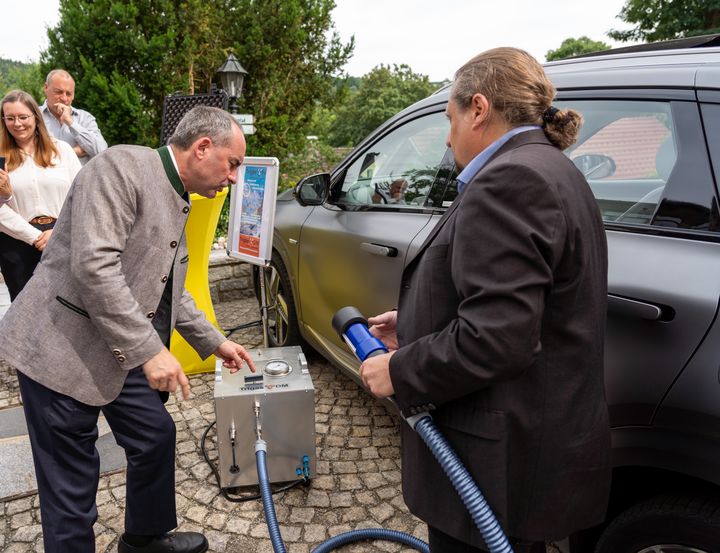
(38, 171)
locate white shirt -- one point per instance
(38, 191)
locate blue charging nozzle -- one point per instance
(352, 327)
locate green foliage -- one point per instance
(284, 44)
(118, 104)
(126, 56)
(574, 47)
(667, 19)
(25, 76)
(314, 157)
(381, 93)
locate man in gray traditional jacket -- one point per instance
(90, 332)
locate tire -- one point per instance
(283, 328)
(666, 524)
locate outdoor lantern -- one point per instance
(232, 75)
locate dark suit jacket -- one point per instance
(501, 323)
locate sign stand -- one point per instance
(263, 274)
(252, 214)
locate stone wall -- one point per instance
(229, 278)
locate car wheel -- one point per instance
(666, 524)
(283, 327)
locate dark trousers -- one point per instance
(63, 432)
(18, 261)
(442, 543)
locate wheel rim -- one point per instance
(671, 548)
(277, 308)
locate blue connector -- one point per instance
(306, 466)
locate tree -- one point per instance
(25, 76)
(667, 19)
(381, 93)
(574, 47)
(285, 47)
(127, 56)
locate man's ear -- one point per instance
(201, 146)
(480, 108)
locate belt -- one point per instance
(42, 220)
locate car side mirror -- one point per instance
(595, 166)
(313, 190)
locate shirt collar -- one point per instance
(171, 169)
(479, 161)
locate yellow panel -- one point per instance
(200, 231)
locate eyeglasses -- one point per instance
(22, 118)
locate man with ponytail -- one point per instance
(508, 354)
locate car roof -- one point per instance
(680, 68)
(659, 68)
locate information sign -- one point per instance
(252, 210)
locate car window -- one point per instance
(398, 170)
(627, 151)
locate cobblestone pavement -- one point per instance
(357, 485)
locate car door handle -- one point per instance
(379, 249)
(635, 308)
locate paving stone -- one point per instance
(381, 513)
(315, 533)
(27, 533)
(20, 520)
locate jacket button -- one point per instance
(186, 209)
(121, 358)
(164, 278)
(116, 352)
(151, 314)
(173, 244)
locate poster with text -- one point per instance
(253, 210)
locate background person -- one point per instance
(106, 297)
(394, 195)
(508, 355)
(65, 122)
(40, 171)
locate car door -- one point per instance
(656, 193)
(352, 249)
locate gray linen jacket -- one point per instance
(501, 323)
(84, 319)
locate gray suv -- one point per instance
(650, 150)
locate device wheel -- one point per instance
(666, 524)
(283, 329)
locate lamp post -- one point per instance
(232, 75)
